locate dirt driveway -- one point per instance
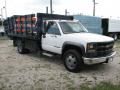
(35, 72)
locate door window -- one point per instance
(52, 28)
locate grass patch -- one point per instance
(102, 86)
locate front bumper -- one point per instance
(100, 59)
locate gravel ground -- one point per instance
(35, 72)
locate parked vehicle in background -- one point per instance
(111, 27)
(104, 26)
(53, 34)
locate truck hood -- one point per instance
(89, 37)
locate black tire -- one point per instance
(115, 36)
(73, 60)
(2, 34)
(14, 43)
(27, 51)
(20, 47)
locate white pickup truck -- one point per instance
(67, 38)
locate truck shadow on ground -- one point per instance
(56, 60)
(95, 67)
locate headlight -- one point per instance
(90, 46)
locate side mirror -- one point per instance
(44, 36)
(44, 30)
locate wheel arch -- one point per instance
(71, 45)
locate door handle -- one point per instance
(54, 36)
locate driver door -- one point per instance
(52, 40)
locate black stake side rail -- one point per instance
(53, 16)
(22, 25)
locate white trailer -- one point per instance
(2, 32)
(111, 27)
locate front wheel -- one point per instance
(73, 60)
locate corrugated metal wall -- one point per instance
(93, 24)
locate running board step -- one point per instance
(47, 54)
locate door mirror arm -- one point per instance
(44, 35)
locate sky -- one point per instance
(104, 8)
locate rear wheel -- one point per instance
(14, 43)
(73, 60)
(20, 47)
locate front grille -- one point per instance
(102, 49)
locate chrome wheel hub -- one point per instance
(71, 61)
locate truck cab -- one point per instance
(76, 45)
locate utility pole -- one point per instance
(51, 7)
(2, 16)
(47, 10)
(5, 9)
(94, 7)
(66, 12)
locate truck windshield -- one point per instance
(72, 27)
